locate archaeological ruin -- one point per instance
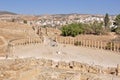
(47, 56)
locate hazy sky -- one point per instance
(61, 6)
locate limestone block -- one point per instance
(71, 64)
(93, 69)
(109, 71)
(41, 62)
(33, 61)
(62, 65)
(79, 66)
(48, 63)
(54, 64)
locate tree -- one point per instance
(97, 28)
(117, 20)
(117, 30)
(73, 29)
(117, 23)
(106, 21)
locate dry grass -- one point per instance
(13, 25)
(7, 30)
(10, 30)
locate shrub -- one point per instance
(72, 30)
(110, 45)
(117, 30)
(75, 29)
(77, 43)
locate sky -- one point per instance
(36, 7)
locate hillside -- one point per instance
(10, 31)
(7, 12)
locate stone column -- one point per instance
(101, 45)
(95, 44)
(81, 42)
(98, 44)
(85, 43)
(111, 46)
(114, 47)
(88, 43)
(64, 40)
(92, 43)
(73, 41)
(117, 47)
(118, 70)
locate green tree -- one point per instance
(88, 29)
(106, 21)
(117, 20)
(73, 29)
(117, 30)
(97, 28)
(117, 23)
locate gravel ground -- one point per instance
(69, 53)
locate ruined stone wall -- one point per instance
(73, 65)
(42, 69)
